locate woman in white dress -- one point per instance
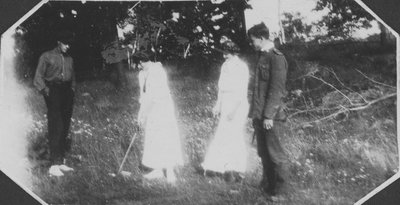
(162, 146)
(227, 152)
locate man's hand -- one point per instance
(216, 110)
(141, 120)
(45, 91)
(268, 124)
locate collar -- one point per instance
(57, 50)
(268, 47)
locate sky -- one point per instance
(267, 12)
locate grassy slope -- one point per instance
(330, 163)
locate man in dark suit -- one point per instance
(55, 80)
(266, 108)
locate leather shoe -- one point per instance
(275, 198)
(55, 171)
(65, 168)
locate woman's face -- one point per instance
(143, 66)
(228, 55)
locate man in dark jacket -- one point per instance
(266, 107)
(55, 80)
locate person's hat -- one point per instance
(65, 37)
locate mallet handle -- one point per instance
(126, 154)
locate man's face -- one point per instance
(63, 47)
(256, 42)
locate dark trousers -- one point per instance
(272, 155)
(59, 111)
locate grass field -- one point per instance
(330, 162)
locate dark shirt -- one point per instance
(269, 86)
(54, 66)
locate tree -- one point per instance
(184, 32)
(294, 28)
(146, 26)
(185, 29)
(343, 17)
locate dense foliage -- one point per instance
(182, 29)
(294, 27)
(111, 32)
(343, 17)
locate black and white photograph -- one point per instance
(247, 102)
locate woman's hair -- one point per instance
(143, 57)
(228, 46)
(258, 31)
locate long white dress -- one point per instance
(162, 144)
(228, 150)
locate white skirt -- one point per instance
(162, 144)
(228, 150)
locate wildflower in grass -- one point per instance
(80, 131)
(362, 176)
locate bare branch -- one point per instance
(315, 110)
(374, 101)
(337, 78)
(379, 83)
(346, 109)
(321, 113)
(330, 85)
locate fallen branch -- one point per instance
(298, 111)
(374, 81)
(343, 109)
(337, 78)
(374, 102)
(330, 85)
